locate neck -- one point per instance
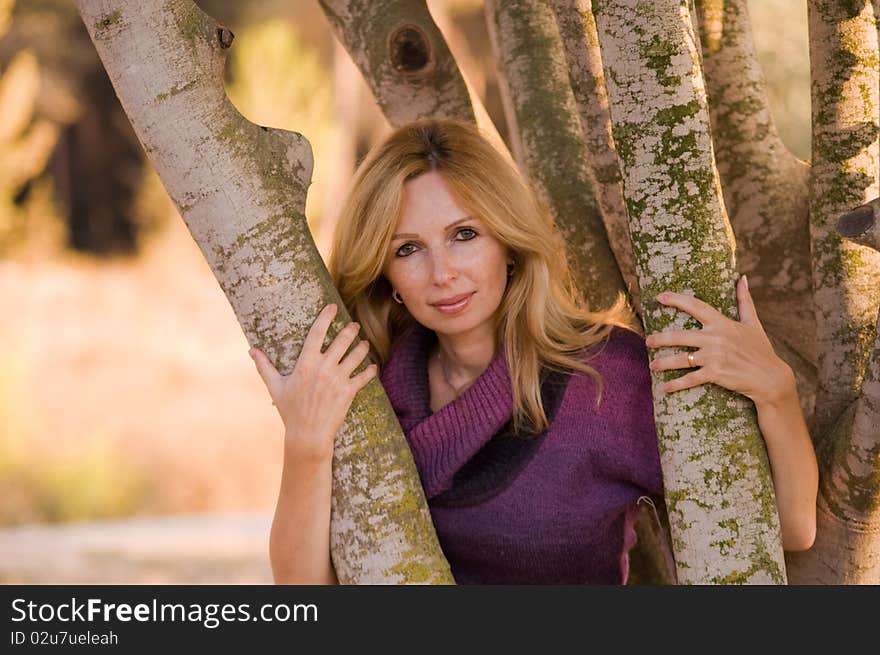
(464, 357)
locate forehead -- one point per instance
(428, 202)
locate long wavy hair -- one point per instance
(542, 321)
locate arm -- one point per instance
(792, 462)
(737, 355)
(312, 402)
(299, 543)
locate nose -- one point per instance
(443, 267)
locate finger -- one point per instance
(686, 338)
(341, 342)
(747, 312)
(314, 340)
(673, 362)
(270, 376)
(360, 380)
(355, 357)
(700, 310)
(693, 379)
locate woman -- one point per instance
(529, 417)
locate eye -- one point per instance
(468, 232)
(400, 252)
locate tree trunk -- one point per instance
(532, 61)
(716, 475)
(846, 277)
(241, 189)
(577, 28)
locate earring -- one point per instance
(396, 297)
(509, 269)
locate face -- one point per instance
(440, 254)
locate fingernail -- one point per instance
(746, 281)
(251, 352)
(662, 297)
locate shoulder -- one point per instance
(622, 352)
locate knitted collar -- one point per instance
(471, 439)
(487, 400)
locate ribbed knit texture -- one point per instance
(557, 510)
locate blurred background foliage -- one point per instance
(125, 387)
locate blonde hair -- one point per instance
(542, 321)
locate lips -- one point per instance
(451, 301)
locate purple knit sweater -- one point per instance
(554, 508)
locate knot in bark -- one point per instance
(410, 51)
(224, 37)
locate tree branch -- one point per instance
(577, 28)
(241, 189)
(530, 56)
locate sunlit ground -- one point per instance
(127, 389)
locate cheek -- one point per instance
(405, 274)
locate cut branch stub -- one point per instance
(241, 190)
(719, 492)
(410, 52)
(862, 224)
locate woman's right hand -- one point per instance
(314, 399)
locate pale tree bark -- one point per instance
(406, 62)
(722, 512)
(531, 59)
(765, 189)
(846, 277)
(241, 189)
(577, 28)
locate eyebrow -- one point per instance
(416, 236)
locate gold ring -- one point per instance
(691, 360)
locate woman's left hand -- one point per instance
(736, 355)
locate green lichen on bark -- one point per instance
(531, 57)
(108, 19)
(174, 90)
(392, 469)
(718, 487)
